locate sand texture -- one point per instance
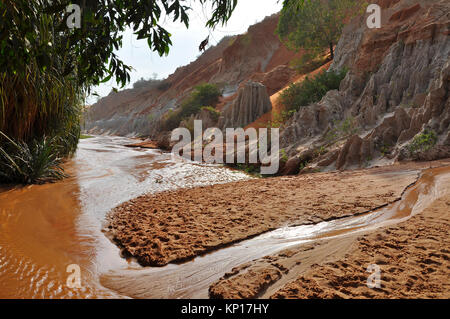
(176, 226)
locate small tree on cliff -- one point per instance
(315, 25)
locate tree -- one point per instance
(315, 25)
(94, 43)
(47, 67)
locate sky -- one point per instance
(184, 50)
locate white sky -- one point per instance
(185, 41)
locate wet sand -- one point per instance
(144, 144)
(412, 255)
(190, 223)
(46, 228)
(176, 226)
(413, 258)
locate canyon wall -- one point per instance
(392, 105)
(396, 89)
(257, 54)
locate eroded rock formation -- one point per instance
(252, 102)
(396, 88)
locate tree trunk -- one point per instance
(331, 51)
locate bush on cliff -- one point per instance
(203, 94)
(149, 84)
(423, 142)
(316, 25)
(311, 90)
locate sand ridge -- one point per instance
(412, 256)
(176, 226)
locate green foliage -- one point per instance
(315, 25)
(279, 119)
(311, 90)
(423, 142)
(283, 156)
(164, 86)
(143, 83)
(385, 149)
(47, 68)
(302, 165)
(348, 126)
(249, 169)
(246, 39)
(320, 151)
(213, 112)
(90, 49)
(204, 94)
(30, 163)
(40, 103)
(308, 62)
(85, 137)
(344, 128)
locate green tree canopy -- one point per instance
(315, 24)
(46, 67)
(37, 30)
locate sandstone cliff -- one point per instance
(392, 105)
(251, 103)
(396, 90)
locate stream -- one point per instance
(46, 228)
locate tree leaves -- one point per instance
(315, 25)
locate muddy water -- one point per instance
(192, 279)
(46, 228)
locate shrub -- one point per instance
(171, 120)
(213, 112)
(204, 94)
(344, 128)
(423, 142)
(279, 119)
(311, 90)
(316, 25)
(164, 86)
(309, 62)
(283, 156)
(151, 83)
(32, 163)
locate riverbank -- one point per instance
(46, 228)
(411, 253)
(176, 226)
(413, 258)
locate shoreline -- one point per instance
(187, 223)
(413, 259)
(177, 226)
